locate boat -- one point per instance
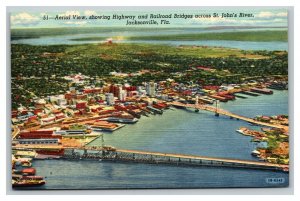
(261, 91)
(28, 182)
(239, 96)
(206, 99)
(249, 93)
(286, 169)
(44, 156)
(32, 178)
(179, 106)
(220, 98)
(55, 152)
(155, 110)
(121, 120)
(25, 171)
(243, 131)
(255, 153)
(278, 86)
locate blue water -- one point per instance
(244, 45)
(176, 131)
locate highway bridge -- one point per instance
(229, 114)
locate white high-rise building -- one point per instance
(197, 100)
(122, 95)
(150, 89)
(110, 99)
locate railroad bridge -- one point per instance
(113, 154)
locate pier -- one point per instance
(218, 111)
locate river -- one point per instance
(244, 45)
(176, 131)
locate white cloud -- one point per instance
(24, 19)
(271, 15)
(43, 14)
(71, 12)
(76, 22)
(283, 14)
(90, 12)
(221, 21)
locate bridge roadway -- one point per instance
(230, 114)
(150, 156)
(143, 156)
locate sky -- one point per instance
(32, 17)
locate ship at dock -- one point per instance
(122, 120)
(262, 91)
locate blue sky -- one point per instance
(32, 17)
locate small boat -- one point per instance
(255, 153)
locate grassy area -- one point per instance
(235, 36)
(259, 36)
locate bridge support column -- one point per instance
(217, 114)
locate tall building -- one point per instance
(122, 95)
(110, 99)
(150, 89)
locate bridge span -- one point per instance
(229, 114)
(113, 154)
(139, 156)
